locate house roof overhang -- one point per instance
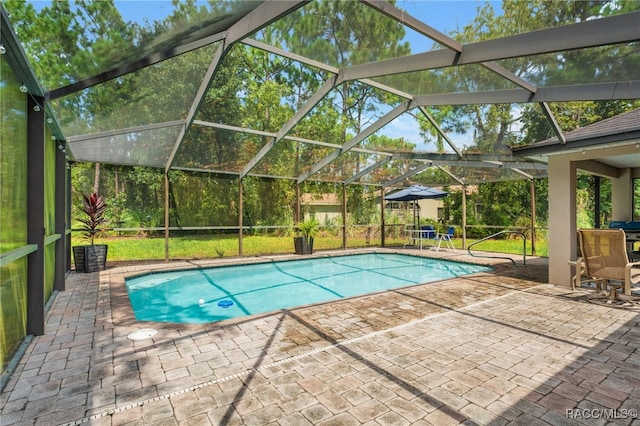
(614, 142)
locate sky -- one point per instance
(444, 15)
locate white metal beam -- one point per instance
(616, 90)
(629, 89)
(406, 175)
(202, 91)
(505, 73)
(388, 117)
(320, 65)
(442, 133)
(368, 170)
(117, 132)
(483, 164)
(469, 98)
(289, 55)
(233, 128)
(311, 103)
(554, 124)
(598, 32)
(119, 71)
(451, 175)
(616, 29)
(418, 62)
(417, 25)
(481, 161)
(413, 23)
(261, 16)
(290, 138)
(527, 175)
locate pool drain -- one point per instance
(145, 333)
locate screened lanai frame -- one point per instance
(242, 26)
(154, 130)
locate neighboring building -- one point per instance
(328, 207)
(425, 209)
(324, 207)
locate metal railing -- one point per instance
(524, 246)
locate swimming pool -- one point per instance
(205, 295)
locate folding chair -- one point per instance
(447, 238)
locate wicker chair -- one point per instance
(604, 258)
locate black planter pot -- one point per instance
(303, 245)
(90, 258)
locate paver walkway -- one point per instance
(493, 348)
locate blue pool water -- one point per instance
(213, 294)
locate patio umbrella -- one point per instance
(416, 192)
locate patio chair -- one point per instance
(428, 235)
(581, 276)
(447, 238)
(604, 257)
(428, 232)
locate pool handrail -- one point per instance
(524, 246)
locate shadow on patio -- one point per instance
(492, 348)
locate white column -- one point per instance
(621, 196)
(562, 219)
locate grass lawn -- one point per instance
(211, 246)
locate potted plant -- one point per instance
(93, 257)
(308, 229)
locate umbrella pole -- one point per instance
(416, 216)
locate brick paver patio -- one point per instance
(493, 348)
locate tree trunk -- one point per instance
(96, 179)
(116, 181)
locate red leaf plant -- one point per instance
(94, 207)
